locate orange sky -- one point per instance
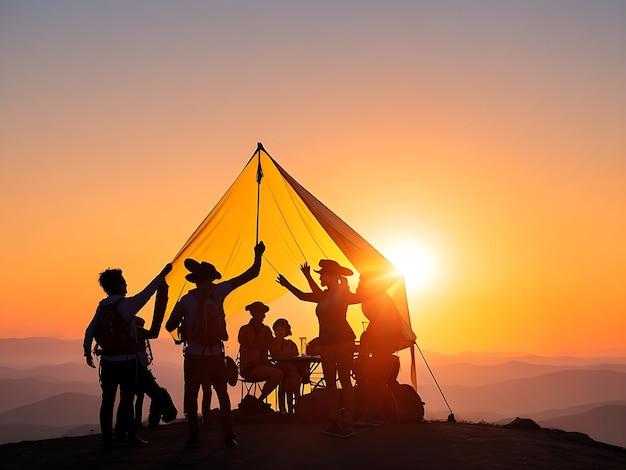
(490, 134)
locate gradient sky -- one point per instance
(488, 133)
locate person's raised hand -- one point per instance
(305, 268)
(259, 249)
(166, 270)
(281, 280)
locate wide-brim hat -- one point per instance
(331, 266)
(257, 307)
(200, 270)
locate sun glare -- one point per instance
(416, 262)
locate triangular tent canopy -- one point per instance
(295, 227)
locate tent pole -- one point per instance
(259, 177)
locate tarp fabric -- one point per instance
(295, 227)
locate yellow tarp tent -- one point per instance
(295, 227)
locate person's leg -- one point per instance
(151, 388)
(281, 397)
(270, 374)
(217, 375)
(109, 390)
(125, 411)
(119, 372)
(191, 368)
(344, 357)
(206, 405)
(292, 388)
(139, 396)
(329, 368)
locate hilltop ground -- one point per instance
(275, 442)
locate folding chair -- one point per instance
(248, 387)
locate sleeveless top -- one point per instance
(331, 313)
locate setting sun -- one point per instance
(417, 262)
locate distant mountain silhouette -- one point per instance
(547, 415)
(58, 416)
(472, 375)
(479, 388)
(606, 423)
(59, 410)
(20, 392)
(531, 395)
(20, 352)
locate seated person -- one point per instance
(281, 347)
(254, 341)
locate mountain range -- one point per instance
(56, 394)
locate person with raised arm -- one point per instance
(336, 337)
(200, 317)
(114, 329)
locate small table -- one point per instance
(316, 378)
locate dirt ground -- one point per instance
(275, 441)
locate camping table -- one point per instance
(316, 377)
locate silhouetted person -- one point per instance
(281, 347)
(377, 365)
(200, 317)
(160, 402)
(336, 338)
(254, 343)
(113, 327)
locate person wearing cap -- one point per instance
(204, 363)
(254, 342)
(336, 337)
(119, 368)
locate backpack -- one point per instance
(209, 323)
(112, 333)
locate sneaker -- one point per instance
(345, 431)
(332, 429)
(193, 442)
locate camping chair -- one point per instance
(248, 387)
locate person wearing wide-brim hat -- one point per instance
(254, 339)
(336, 337)
(204, 363)
(198, 270)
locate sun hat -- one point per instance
(332, 266)
(257, 307)
(200, 270)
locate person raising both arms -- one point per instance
(336, 337)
